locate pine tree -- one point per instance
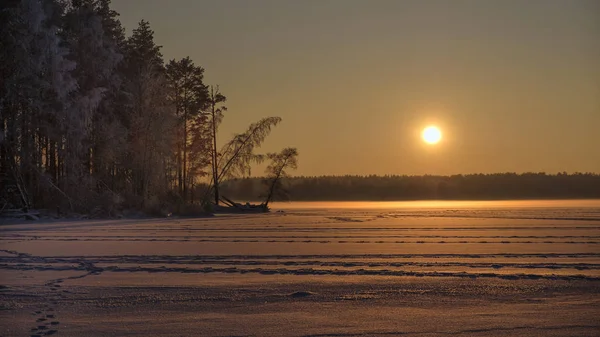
(216, 117)
(97, 55)
(189, 95)
(36, 102)
(149, 119)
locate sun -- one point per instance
(431, 135)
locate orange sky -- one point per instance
(514, 85)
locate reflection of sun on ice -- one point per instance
(431, 135)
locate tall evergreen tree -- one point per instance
(190, 98)
(95, 51)
(149, 119)
(216, 117)
(36, 97)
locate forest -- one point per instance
(428, 187)
(95, 121)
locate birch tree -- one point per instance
(276, 171)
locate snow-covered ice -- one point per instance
(509, 271)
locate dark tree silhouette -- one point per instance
(216, 117)
(287, 158)
(190, 98)
(239, 153)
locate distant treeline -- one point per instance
(457, 187)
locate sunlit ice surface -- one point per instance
(333, 268)
(585, 203)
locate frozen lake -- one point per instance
(485, 268)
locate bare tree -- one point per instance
(286, 159)
(238, 154)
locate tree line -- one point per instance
(92, 119)
(428, 187)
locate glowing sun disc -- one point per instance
(431, 135)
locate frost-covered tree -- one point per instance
(189, 96)
(149, 118)
(276, 171)
(199, 151)
(91, 119)
(237, 155)
(215, 118)
(36, 95)
(96, 52)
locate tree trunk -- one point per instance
(185, 156)
(185, 137)
(52, 162)
(272, 188)
(178, 141)
(214, 152)
(179, 172)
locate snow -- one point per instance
(307, 272)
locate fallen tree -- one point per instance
(238, 154)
